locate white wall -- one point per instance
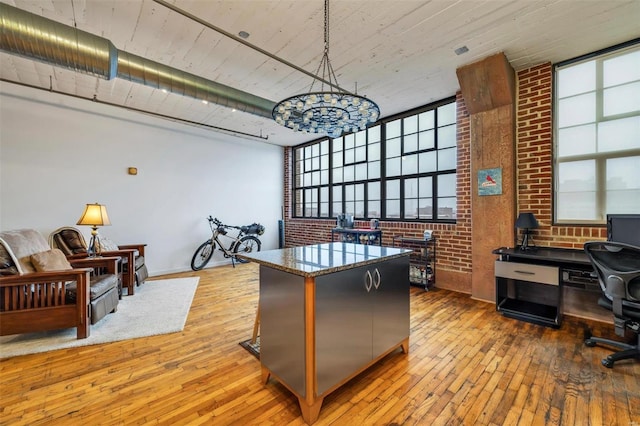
(59, 153)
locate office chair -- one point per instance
(618, 268)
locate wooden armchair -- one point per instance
(72, 243)
(40, 290)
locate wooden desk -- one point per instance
(542, 284)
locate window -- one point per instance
(597, 136)
(403, 168)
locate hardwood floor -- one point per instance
(467, 365)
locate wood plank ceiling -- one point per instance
(400, 53)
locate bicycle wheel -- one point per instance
(202, 256)
(247, 244)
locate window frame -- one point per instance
(303, 208)
(599, 158)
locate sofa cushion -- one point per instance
(7, 265)
(50, 260)
(22, 243)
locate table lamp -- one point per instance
(526, 221)
(94, 215)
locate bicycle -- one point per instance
(246, 241)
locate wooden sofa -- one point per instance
(71, 294)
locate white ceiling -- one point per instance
(400, 53)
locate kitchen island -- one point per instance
(328, 312)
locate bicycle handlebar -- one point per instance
(217, 222)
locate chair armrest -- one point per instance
(110, 264)
(139, 247)
(44, 277)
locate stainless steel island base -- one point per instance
(340, 309)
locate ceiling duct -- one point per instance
(35, 37)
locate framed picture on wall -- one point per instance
(490, 181)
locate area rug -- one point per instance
(253, 348)
(157, 307)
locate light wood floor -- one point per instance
(467, 365)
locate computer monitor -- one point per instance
(624, 228)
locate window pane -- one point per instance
(427, 162)
(374, 152)
(426, 208)
(621, 69)
(577, 79)
(361, 154)
(577, 110)
(349, 173)
(374, 209)
(374, 170)
(374, 134)
(359, 209)
(447, 159)
(337, 144)
(393, 209)
(622, 99)
(425, 187)
(324, 162)
(427, 140)
(315, 163)
(446, 208)
(446, 136)
(411, 143)
(349, 156)
(361, 138)
(577, 176)
(410, 164)
(623, 173)
(447, 114)
(393, 129)
(337, 193)
(410, 124)
(324, 209)
(324, 147)
(349, 141)
(361, 171)
(337, 159)
(393, 167)
(393, 148)
(426, 120)
(411, 188)
(410, 208)
(324, 177)
(576, 205)
(337, 208)
(447, 185)
(618, 135)
(577, 140)
(337, 175)
(393, 189)
(374, 190)
(315, 178)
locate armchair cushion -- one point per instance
(7, 265)
(107, 245)
(50, 260)
(70, 241)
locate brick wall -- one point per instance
(534, 140)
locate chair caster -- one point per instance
(607, 362)
(589, 343)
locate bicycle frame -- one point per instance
(245, 241)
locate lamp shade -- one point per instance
(526, 221)
(94, 215)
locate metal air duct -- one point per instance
(35, 37)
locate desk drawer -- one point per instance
(527, 272)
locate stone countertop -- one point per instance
(326, 258)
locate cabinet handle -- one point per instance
(525, 272)
(376, 280)
(367, 281)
